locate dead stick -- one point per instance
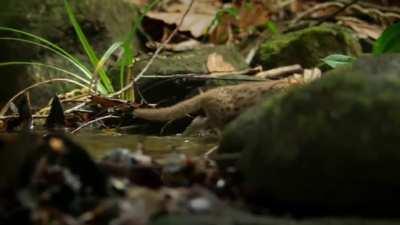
(280, 72)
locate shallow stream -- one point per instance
(156, 146)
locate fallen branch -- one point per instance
(215, 76)
(280, 72)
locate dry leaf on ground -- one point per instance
(196, 21)
(363, 29)
(216, 64)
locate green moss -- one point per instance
(307, 47)
(192, 61)
(331, 145)
(240, 218)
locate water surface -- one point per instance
(156, 146)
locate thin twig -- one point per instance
(159, 49)
(201, 77)
(93, 121)
(207, 76)
(76, 107)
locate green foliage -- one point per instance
(87, 76)
(29, 38)
(232, 11)
(336, 60)
(88, 48)
(388, 42)
(271, 26)
(127, 58)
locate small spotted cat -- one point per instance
(221, 105)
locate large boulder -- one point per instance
(330, 147)
(103, 22)
(308, 46)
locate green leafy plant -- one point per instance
(127, 58)
(25, 37)
(272, 27)
(87, 75)
(336, 60)
(96, 63)
(388, 42)
(231, 11)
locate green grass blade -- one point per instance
(272, 27)
(74, 75)
(128, 51)
(49, 44)
(105, 57)
(82, 68)
(87, 47)
(71, 59)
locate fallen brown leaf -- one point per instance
(196, 21)
(362, 28)
(216, 64)
(252, 15)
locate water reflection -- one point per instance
(99, 144)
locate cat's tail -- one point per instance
(170, 113)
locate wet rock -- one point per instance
(327, 148)
(138, 168)
(194, 61)
(307, 47)
(103, 22)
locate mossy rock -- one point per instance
(193, 62)
(190, 62)
(307, 47)
(330, 147)
(234, 219)
(104, 22)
